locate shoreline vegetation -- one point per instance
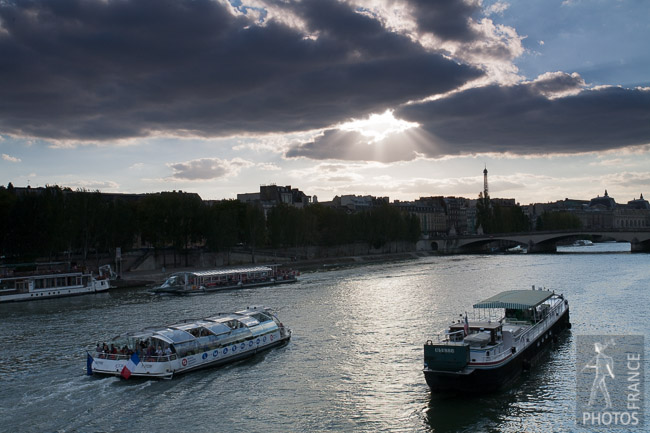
(87, 228)
(158, 275)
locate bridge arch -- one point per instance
(538, 242)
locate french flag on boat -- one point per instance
(89, 364)
(130, 366)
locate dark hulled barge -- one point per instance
(486, 355)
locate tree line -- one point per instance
(494, 218)
(53, 221)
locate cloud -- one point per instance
(354, 146)
(207, 169)
(447, 19)
(497, 8)
(103, 71)
(629, 179)
(556, 84)
(553, 114)
(10, 158)
(522, 120)
(94, 185)
(268, 166)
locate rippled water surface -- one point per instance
(354, 362)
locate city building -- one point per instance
(273, 195)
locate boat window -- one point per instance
(233, 324)
(174, 280)
(218, 328)
(264, 328)
(187, 348)
(237, 335)
(176, 335)
(249, 321)
(208, 342)
(261, 317)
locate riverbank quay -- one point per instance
(148, 278)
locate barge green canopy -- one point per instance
(516, 299)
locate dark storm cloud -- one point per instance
(524, 119)
(447, 19)
(101, 70)
(521, 120)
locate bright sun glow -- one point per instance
(378, 126)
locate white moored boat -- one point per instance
(165, 351)
(51, 284)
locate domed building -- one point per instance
(639, 203)
(605, 202)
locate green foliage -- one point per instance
(223, 224)
(325, 226)
(51, 222)
(558, 221)
(500, 219)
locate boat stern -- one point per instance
(113, 365)
(446, 356)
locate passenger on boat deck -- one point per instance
(168, 351)
(105, 348)
(159, 351)
(98, 349)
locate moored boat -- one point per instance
(195, 282)
(52, 284)
(488, 354)
(165, 351)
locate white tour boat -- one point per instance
(194, 282)
(163, 352)
(490, 353)
(51, 284)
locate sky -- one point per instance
(392, 98)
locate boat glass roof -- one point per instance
(176, 335)
(248, 321)
(218, 328)
(516, 299)
(217, 272)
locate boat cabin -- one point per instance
(480, 333)
(521, 306)
(191, 337)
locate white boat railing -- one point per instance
(143, 358)
(540, 327)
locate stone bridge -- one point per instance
(535, 242)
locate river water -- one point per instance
(354, 363)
